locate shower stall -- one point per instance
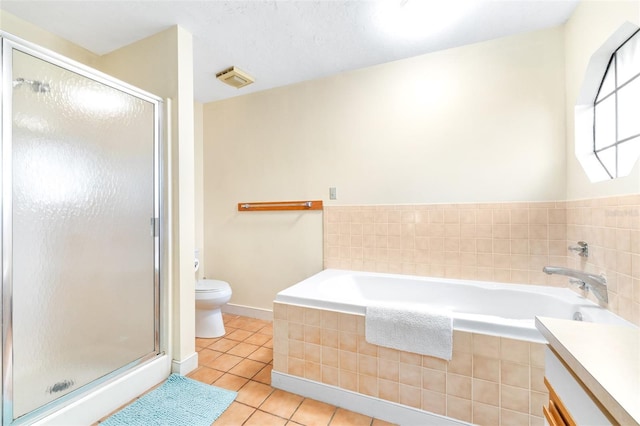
(81, 244)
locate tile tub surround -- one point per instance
(501, 242)
(611, 226)
(489, 381)
(241, 361)
(488, 242)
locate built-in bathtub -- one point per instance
(494, 377)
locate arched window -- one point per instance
(616, 109)
(607, 114)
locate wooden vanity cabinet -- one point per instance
(555, 412)
(570, 403)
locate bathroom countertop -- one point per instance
(606, 358)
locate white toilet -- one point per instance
(210, 296)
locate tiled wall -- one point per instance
(611, 226)
(489, 381)
(492, 242)
(503, 242)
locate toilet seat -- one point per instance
(212, 286)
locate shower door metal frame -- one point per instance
(9, 43)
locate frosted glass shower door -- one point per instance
(83, 250)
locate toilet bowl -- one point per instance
(210, 296)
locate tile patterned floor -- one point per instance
(242, 360)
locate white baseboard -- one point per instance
(111, 396)
(353, 401)
(185, 366)
(248, 311)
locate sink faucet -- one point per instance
(596, 283)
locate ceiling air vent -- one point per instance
(234, 77)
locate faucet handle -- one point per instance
(582, 249)
(581, 284)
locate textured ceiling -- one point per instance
(284, 42)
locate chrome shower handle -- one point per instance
(582, 249)
(581, 284)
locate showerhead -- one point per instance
(36, 86)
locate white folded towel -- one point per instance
(410, 327)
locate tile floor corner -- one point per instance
(242, 360)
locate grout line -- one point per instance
(333, 415)
(250, 415)
(297, 408)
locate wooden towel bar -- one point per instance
(280, 205)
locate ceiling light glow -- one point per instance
(418, 19)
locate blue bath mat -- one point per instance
(178, 402)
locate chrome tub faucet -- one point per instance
(586, 281)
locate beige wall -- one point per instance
(480, 123)
(511, 242)
(589, 27)
(199, 183)
(34, 34)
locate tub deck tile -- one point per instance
(244, 362)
